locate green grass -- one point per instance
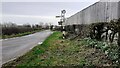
(32, 58)
(0, 36)
(109, 49)
(18, 35)
(55, 51)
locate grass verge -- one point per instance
(56, 51)
(17, 35)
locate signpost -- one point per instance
(62, 20)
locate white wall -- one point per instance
(98, 12)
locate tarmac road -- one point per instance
(15, 47)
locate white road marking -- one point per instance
(40, 42)
(9, 60)
(5, 39)
(30, 35)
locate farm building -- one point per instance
(102, 11)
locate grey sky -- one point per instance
(49, 0)
(35, 12)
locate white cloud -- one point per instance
(22, 19)
(35, 12)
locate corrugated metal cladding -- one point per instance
(98, 12)
(119, 9)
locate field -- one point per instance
(18, 35)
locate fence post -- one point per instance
(119, 40)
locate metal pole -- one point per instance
(63, 26)
(62, 20)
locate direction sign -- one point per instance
(63, 11)
(58, 16)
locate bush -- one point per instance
(110, 50)
(11, 28)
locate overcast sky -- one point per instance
(20, 12)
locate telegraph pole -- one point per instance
(62, 21)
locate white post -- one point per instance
(63, 19)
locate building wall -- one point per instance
(98, 12)
(118, 9)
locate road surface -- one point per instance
(15, 47)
